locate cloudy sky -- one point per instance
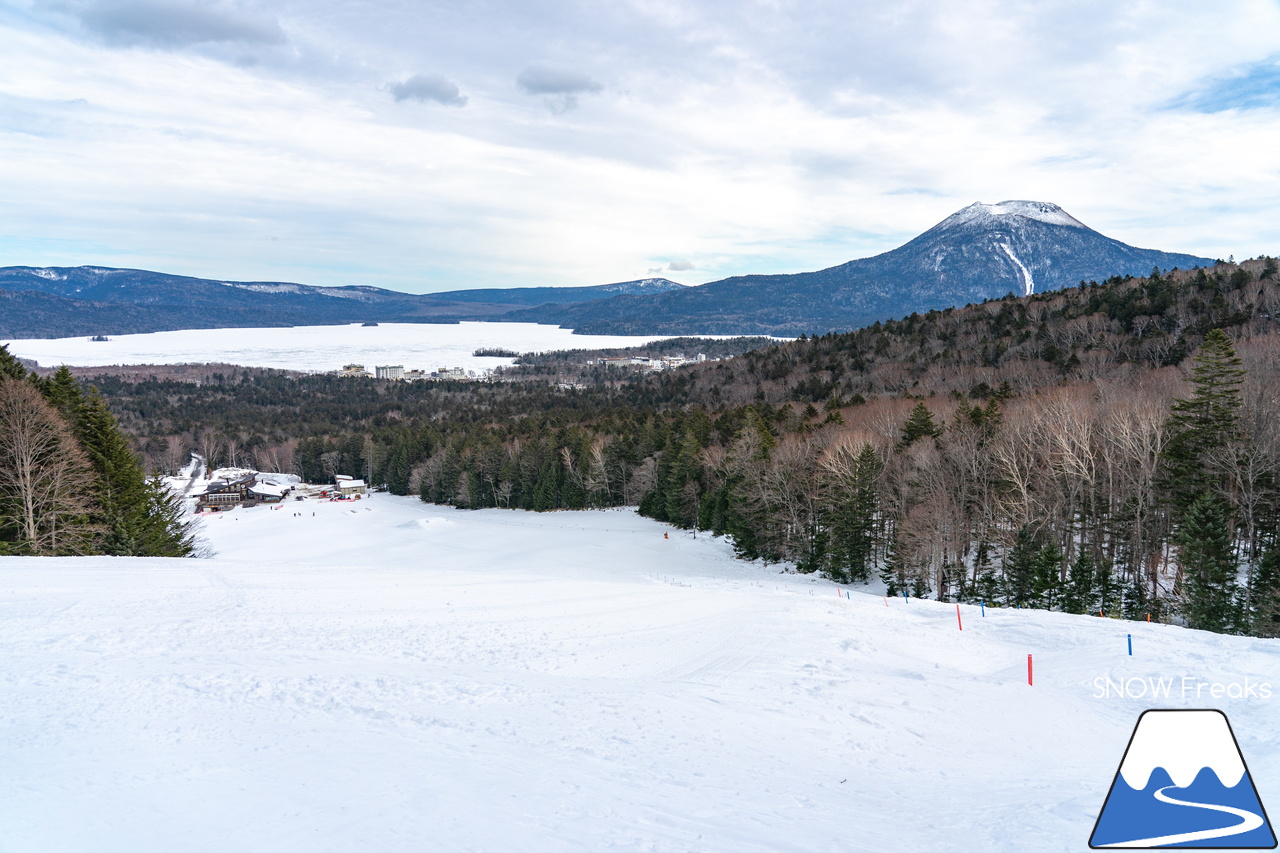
(425, 145)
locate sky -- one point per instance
(426, 146)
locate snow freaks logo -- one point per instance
(1183, 783)
(1186, 687)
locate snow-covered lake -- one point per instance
(390, 676)
(320, 348)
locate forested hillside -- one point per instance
(1111, 448)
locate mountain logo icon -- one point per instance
(1182, 783)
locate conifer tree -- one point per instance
(1110, 595)
(986, 590)
(1208, 566)
(851, 518)
(919, 424)
(1264, 610)
(63, 391)
(682, 476)
(894, 570)
(1202, 425)
(139, 517)
(1046, 590)
(1080, 595)
(166, 530)
(753, 420)
(546, 492)
(398, 468)
(9, 366)
(1134, 600)
(1020, 570)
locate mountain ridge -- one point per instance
(59, 301)
(980, 252)
(983, 251)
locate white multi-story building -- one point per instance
(389, 371)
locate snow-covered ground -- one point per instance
(389, 676)
(414, 345)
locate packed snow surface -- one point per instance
(383, 675)
(423, 346)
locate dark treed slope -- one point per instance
(1072, 450)
(69, 481)
(58, 301)
(981, 252)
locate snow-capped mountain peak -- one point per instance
(1040, 211)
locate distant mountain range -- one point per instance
(41, 302)
(562, 295)
(983, 251)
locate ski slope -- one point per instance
(391, 676)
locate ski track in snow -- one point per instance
(391, 676)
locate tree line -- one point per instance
(70, 482)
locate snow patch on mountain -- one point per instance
(357, 294)
(1028, 283)
(266, 288)
(644, 284)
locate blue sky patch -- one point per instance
(1258, 87)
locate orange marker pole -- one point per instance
(1029, 682)
(958, 622)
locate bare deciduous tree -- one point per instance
(44, 475)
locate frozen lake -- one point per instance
(321, 348)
